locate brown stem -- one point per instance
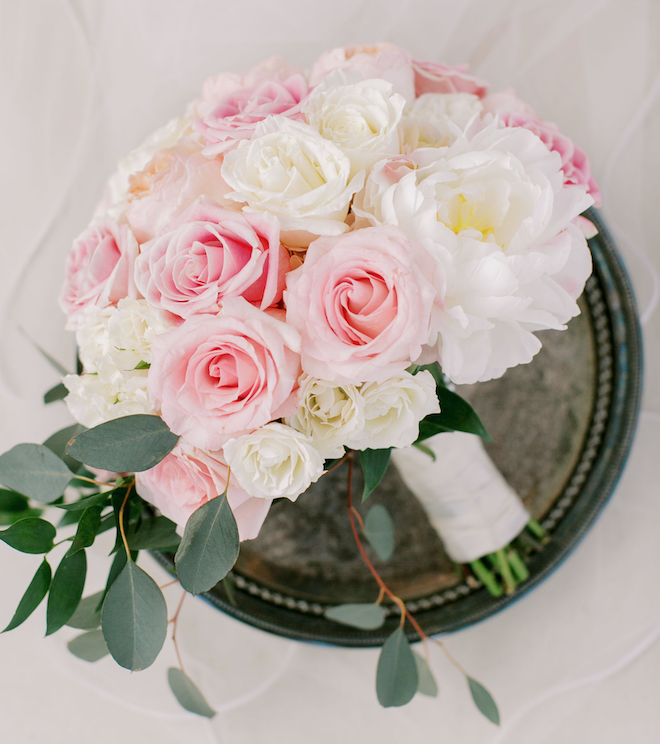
(175, 621)
(169, 583)
(337, 464)
(121, 524)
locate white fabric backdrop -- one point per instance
(81, 83)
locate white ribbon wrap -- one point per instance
(468, 502)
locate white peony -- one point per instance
(393, 409)
(328, 413)
(289, 170)
(274, 461)
(360, 116)
(493, 212)
(107, 394)
(436, 119)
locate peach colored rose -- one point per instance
(384, 61)
(362, 305)
(237, 114)
(211, 254)
(434, 77)
(217, 377)
(169, 184)
(189, 477)
(99, 268)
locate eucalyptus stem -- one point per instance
(122, 529)
(517, 565)
(499, 560)
(486, 577)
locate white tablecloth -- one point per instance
(81, 83)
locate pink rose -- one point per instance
(187, 478)
(371, 61)
(362, 305)
(237, 114)
(99, 268)
(169, 184)
(215, 88)
(218, 377)
(433, 77)
(211, 254)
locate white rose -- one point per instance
(328, 413)
(393, 410)
(108, 394)
(434, 119)
(359, 116)
(113, 203)
(289, 170)
(273, 461)
(493, 212)
(132, 329)
(92, 336)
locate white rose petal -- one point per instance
(393, 409)
(434, 119)
(274, 461)
(328, 413)
(360, 116)
(132, 330)
(289, 170)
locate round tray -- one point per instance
(562, 428)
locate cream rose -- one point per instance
(434, 119)
(360, 116)
(291, 171)
(328, 413)
(274, 461)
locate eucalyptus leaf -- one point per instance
(66, 590)
(90, 646)
(188, 694)
(88, 613)
(363, 616)
(374, 465)
(59, 392)
(10, 501)
(98, 499)
(484, 701)
(209, 547)
(30, 535)
(396, 675)
(89, 524)
(379, 531)
(57, 442)
(426, 684)
(48, 357)
(34, 471)
(134, 618)
(33, 596)
(154, 534)
(456, 414)
(7, 518)
(130, 444)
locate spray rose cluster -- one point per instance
(264, 271)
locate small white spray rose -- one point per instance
(393, 409)
(274, 461)
(132, 330)
(329, 413)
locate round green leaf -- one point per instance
(364, 616)
(59, 392)
(396, 675)
(188, 694)
(426, 683)
(90, 646)
(32, 598)
(154, 534)
(66, 590)
(57, 442)
(374, 465)
(125, 445)
(10, 501)
(484, 701)
(209, 547)
(134, 618)
(33, 470)
(88, 613)
(379, 530)
(30, 535)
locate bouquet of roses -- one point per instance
(295, 271)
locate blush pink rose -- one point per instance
(434, 77)
(384, 61)
(362, 305)
(211, 254)
(99, 268)
(187, 478)
(215, 88)
(169, 184)
(236, 115)
(218, 377)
